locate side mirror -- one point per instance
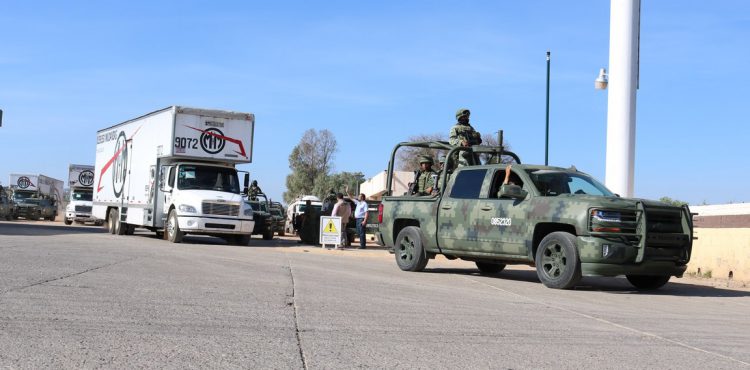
(512, 191)
(247, 180)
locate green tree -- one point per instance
(673, 202)
(338, 183)
(310, 161)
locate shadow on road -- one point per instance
(612, 285)
(45, 229)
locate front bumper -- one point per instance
(215, 225)
(79, 217)
(624, 258)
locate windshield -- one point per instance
(302, 208)
(20, 196)
(208, 178)
(553, 183)
(82, 195)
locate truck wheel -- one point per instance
(409, 251)
(242, 240)
(268, 234)
(648, 282)
(173, 232)
(488, 268)
(121, 228)
(281, 232)
(557, 262)
(52, 218)
(68, 222)
(111, 219)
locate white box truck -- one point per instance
(37, 196)
(81, 185)
(173, 171)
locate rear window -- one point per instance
(468, 184)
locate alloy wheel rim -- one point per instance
(406, 249)
(554, 261)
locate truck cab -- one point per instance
(79, 206)
(201, 198)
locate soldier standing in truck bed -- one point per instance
(462, 134)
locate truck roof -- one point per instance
(194, 111)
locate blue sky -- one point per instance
(375, 73)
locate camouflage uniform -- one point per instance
(254, 190)
(463, 131)
(426, 179)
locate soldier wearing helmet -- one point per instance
(462, 134)
(425, 178)
(254, 190)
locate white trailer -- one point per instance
(173, 171)
(80, 203)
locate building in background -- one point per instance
(375, 187)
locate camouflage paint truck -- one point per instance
(560, 220)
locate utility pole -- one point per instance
(624, 40)
(546, 136)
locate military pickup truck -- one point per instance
(560, 220)
(264, 223)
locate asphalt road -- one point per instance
(75, 297)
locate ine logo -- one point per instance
(212, 140)
(23, 182)
(86, 178)
(120, 165)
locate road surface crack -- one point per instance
(17, 289)
(296, 314)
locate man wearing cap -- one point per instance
(425, 179)
(462, 134)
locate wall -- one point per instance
(723, 243)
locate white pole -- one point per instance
(623, 82)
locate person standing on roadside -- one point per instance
(360, 215)
(343, 210)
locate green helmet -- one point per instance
(425, 159)
(462, 112)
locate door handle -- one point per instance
(486, 208)
(447, 206)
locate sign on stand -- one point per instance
(330, 231)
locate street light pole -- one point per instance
(546, 136)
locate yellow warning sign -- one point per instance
(330, 227)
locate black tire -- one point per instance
(489, 268)
(557, 263)
(172, 228)
(281, 232)
(111, 220)
(409, 250)
(121, 228)
(68, 222)
(648, 282)
(53, 218)
(268, 234)
(243, 240)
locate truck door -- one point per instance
(502, 225)
(458, 208)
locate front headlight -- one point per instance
(248, 212)
(187, 208)
(605, 221)
(606, 216)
